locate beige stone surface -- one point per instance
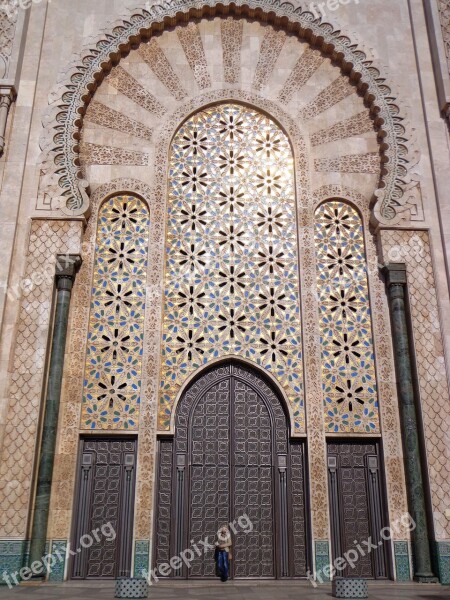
(25, 380)
(124, 147)
(413, 248)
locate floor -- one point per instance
(249, 590)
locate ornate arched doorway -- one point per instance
(231, 461)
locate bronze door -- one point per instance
(231, 459)
(357, 507)
(105, 496)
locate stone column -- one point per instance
(7, 95)
(66, 269)
(396, 283)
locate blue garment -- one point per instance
(222, 564)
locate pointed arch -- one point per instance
(232, 276)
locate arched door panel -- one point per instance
(231, 459)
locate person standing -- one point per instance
(223, 552)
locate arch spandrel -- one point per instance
(64, 166)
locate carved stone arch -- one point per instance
(131, 186)
(64, 119)
(248, 371)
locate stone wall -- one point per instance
(124, 146)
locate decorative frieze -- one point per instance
(231, 32)
(100, 114)
(354, 163)
(158, 62)
(191, 41)
(70, 100)
(305, 68)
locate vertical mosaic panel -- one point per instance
(231, 282)
(348, 363)
(12, 558)
(322, 560)
(401, 557)
(141, 554)
(112, 382)
(59, 552)
(442, 551)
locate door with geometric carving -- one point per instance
(357, 507)
(231, 458)
(105, 497)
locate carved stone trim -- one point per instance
(69, 421)
(384, 360)
(64, 119)
(8, 23)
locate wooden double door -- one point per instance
(231, 462)
(357, 508)
(103, 528)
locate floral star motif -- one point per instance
(192, 296)
(232, 236)
(269, 257)
(232, 323)
(192, 141)
(232, 277)
(270, 143)
(351, 393)
(193, 255)
(231, 197)
(272, 299)
(194, 216)
(231, 126)
(230, 160)
(340, 261)
(194, 178)
(270, 219)
(274, 345)
(190, 342)
(268, 181)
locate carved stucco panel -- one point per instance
(69, 100)
(25, 385)
(413, 248)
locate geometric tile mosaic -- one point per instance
(402, 564)
(443, 559)
(112, 381)
(141, 554)
(322, 559)
(231, 280)
(59, 554)
(12, 557)
(348, 364)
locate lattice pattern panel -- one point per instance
(298, 515)
(348, 362)
(47, 239)
(209, 501)
(164, 503)
(231, 284)
(253, 481)
(112, 384)
(413, 247)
